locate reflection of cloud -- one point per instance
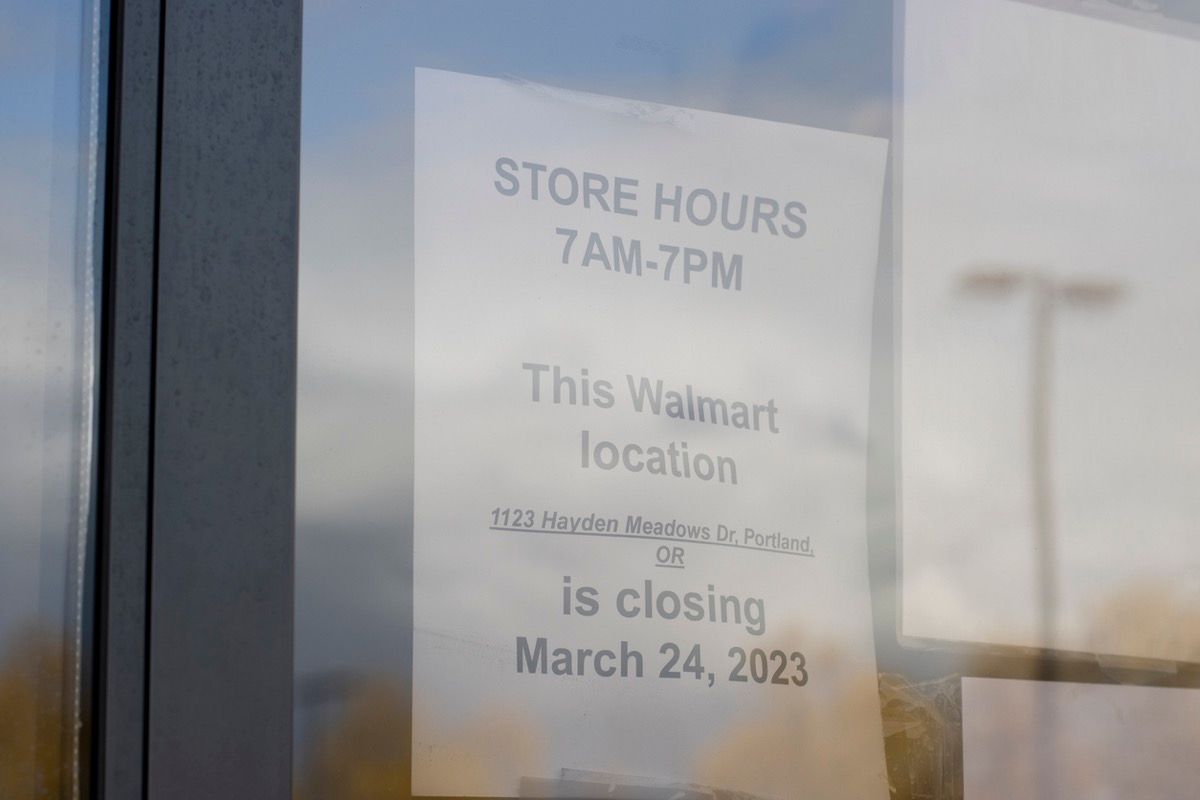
(351, 594)
(38, 370)
(357, 215)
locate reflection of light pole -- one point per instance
(997, 280)
(1048, 293)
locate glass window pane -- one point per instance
(439, 282)
(661, 429)
(49, 131)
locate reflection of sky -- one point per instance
(27, 76)
(735, 57)
(40, 75)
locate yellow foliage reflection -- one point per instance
(1149, 620)
(31, 718)
(774, 752)
(359, 755)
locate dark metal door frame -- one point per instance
(193, 662)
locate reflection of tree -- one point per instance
(31, 721)
(361, 755)
(827, 750)
(922, 725)
(488, 749)
(1150, 620)
(922, 722)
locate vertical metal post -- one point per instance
(1041, 373)
(126, 400)
(219, 673)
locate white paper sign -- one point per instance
(642, 340)
(1057, 739)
